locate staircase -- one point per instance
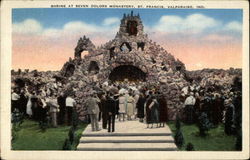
(129, 136)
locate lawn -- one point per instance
(216, 140)
(30, 137)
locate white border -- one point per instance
(6, 153)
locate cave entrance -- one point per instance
(127, 72)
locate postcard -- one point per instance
(124, 80)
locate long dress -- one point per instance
(29, 105)
(155, 112)
(130, 106)
(148, 111)
(140, 107)
(122, 104)
(163, 109)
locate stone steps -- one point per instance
(128, 136)
(127, 139)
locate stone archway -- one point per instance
(93, 67)
(129, 72)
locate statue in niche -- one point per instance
(132, 28)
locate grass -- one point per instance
(30, 137)
(216, 140)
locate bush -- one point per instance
(178, 138)
(67, 145)
(203, 124)
(238, 144)
(75, 120)
(178, 123)
(71, 135)
(229, 120)
(190, 147)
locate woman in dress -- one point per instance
(140, 107)
(130, 106)
(122, 106)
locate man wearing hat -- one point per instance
(93, 110)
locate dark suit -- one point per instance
(111, 108)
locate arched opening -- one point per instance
(178, 68)
(93, 67)
(132, 28)
(129, 72)
(70, 70)
(125, 46)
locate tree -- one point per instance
(203, 124)
(190, 147)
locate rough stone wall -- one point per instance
(136, 50)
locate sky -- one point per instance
(45, 38)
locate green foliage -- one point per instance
(75, 119)
(71, 135)
(204, 124)
(238, 144)
(217, 140)
(178, 138)
(67, 145)
(190, 147)
(178, 123)
(229, 120)
(30, 137)
(44, 124)
(17, 118)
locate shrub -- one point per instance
(67, 145)
(229, 120)
(75, 119)
(178, 138)
(238, 144)
(203, 124)
(71, 135)
(190, 147)
(177, 123)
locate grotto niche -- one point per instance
(132, 28)
(127, 72)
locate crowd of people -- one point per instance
(125, 101)
(43, 104)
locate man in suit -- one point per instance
(93, 110)
(111, 107)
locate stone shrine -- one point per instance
(131, 56)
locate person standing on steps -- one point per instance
(130, 106)
(140, 107)
(104, 111)
(122, 106)
(93, 110)
(111, 107)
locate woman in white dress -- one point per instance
(29, 104)
(130, 106)
(122, 106)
